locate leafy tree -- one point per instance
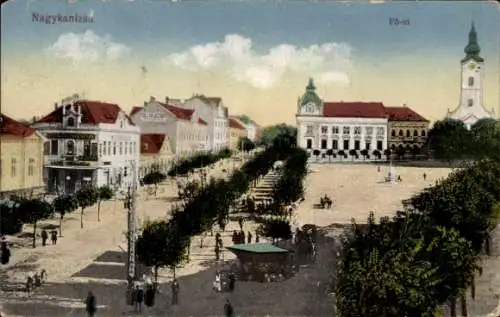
(279, 136)
(86, 197)
(154, 178)
(353, 153)
(10, 220)
(245, 119)
(400, 152)
(329, 152)
(275, 229)
(34, 210)
(316, 153)
(160, 244)
(387, 153)
(365, 153)
(62, 205)
(449, 139)
(377, 154)
(245, 144)
(342, 154)
(103, 193)
(485, 135)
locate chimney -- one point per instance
(145, 103)
(166, 100)
(55, 105)
(151, 99)
(404, 105)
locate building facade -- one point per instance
(188, 133)
(236, 132)
(212, 110)
(89, 143)
(471, 107)
(340, 126)
(156, 154)
(407, 129)
(21, 159)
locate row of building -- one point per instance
(92, 142)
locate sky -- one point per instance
(257, 55)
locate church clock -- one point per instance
(472, 66)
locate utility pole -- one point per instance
(130, 204)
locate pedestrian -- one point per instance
(53, 236)
(425, 176)
(217, 285)
(139, 298)
(43, 275)
(29, 283)
(378, 168)
(232, 281)
(149, 298)
(228, 309)
(91, 304)
(242, 237)
(235, 237)
(249, 237)
(175, 292)
(240, 222)
(217, 252)
(38, 280)
(45, 236)
(257, 237)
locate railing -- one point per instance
(88, 158)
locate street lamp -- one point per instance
(130, 204)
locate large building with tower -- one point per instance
(471, 106)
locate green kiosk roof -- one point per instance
(257, 248)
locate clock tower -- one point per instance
(471, 107)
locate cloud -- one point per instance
(87, 47)
(235, 56)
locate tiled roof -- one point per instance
(11, 127)
(235, 124)
(179, 113)
(93, 112)
(403, 114)
(201, 121)
(152, 143)
(135, 110)
(354, 109)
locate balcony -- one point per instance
(73, 160)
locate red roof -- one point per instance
(403, 114)
(93, 112)
(354, 109)
(135, 110)
(201, 121)
(11, 127)
(179, 113)
(233, 123)
(152, 143)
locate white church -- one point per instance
(471, 107)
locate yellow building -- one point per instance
(407, 129)
(237, 131)
(156, 154)
(21, 159)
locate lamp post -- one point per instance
(130, 204)
(68, 180)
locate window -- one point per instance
(345, 130)
(31, 167)
(415, 133)
(471, 81)
(400, 133)
(309, 129)
(379, 145)
(367, 145)
(120, 149)
(109, 147)
(335, 130)
(369, 130)
(54, 147)
(356, 144)
(100, 149)
(357, 130)
(380, 131)
(46, 148)
(323, 144)
(70, 122)
(114, 148)
(393, 132)
(324, 129)
(70, 147)
(470, 102)
(13, 167)
(408, 134)
(346, 144)
(422, 133)
(125, 148)
(335, 144)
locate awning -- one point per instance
(73, 167)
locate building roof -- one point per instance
(208, 100)
(257, 248)
(93, 112)
(201, 121)
(11, 127)
(354, 109)
(179, 113)
(135, 110)
(235, 124)
(152, 143)
(403, 114)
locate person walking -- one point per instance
(45, 236)
(175, 292)
(425, 176)
(232, 281)
(249, 237)
(91, 304)
(53, 236)
(228, 309)
(240, 222)
(139, 298)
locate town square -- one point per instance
(157, 159)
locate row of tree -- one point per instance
(199, 160)
(166, 243)
(21, 210)
(425, 256)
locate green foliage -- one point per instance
(245, 119)
(275, 229)
(449, 139)
(105, 193)
(245, 144)
(183, 167)
(10, 220)
(290, 187)
(279, 136)
(64, 204)
(485, 135)
(34, 210)
(86, 197)
(154, 178)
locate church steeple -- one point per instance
(472, 49)
(310, 85)
(310, 95)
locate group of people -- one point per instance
(239, 237)
(45, 237)
(326, 202)
(219, 284)
(143, 294)
(35, 279)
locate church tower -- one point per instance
(471, 107)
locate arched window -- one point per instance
(408, 134)
(70, 122)
(423, 133)
(470, 103)
(471, 81)
(70, 147)
(400, 133)
(393, 132)
(415, 133)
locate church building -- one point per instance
(471, 107)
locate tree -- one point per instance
(103, 193)
(353, 153)
(316, 153)
(329, 152)
(62, 205)
(387, 153)
(86, 197)
(415, 150)
(342, 154)
(275, 229)
(161, 244)
(34, 210)
(245, 144)
(365, 153)
(154, 178)
(485, 134)
(449, 139)
(377, 154)
(280, 136)
(400, 152)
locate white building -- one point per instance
(89, 143)
(340, 125)
(212, 110)
(187, 132)
(471, 107)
